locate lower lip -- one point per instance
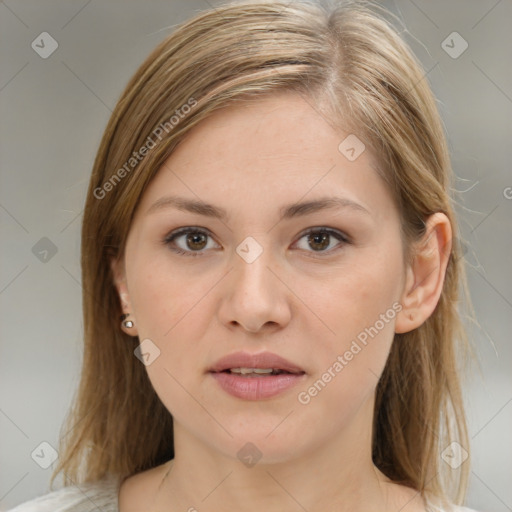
(256, 388)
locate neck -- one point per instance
(337, 475)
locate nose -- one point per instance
(255, 296)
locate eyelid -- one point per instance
(324, 229)
(170, 237)
(341, 236)
(187, 229)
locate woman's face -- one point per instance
(255, 281)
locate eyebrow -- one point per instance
(286, 212)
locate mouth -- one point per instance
(256, 376)
(259, 372)
(263, 363)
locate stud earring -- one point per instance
(128, 324)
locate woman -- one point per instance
(271, 275)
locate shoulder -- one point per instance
(134, 491)
(453, 508)
(101, 495)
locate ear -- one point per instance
(425, 276)
(119, 276)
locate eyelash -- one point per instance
(172, 236)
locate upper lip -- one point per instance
(261, 360)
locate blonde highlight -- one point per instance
(353, 67)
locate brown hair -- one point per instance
(350, 64)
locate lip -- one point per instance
(260, 360)
(256, 387)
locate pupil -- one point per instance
(315, 238)
(192, 239)
(323, 239)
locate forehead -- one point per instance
(282, 125)
(275, 149)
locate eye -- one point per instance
(195, 239)
(320, 239)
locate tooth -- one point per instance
(245, 371)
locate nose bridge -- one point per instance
(254, 297)
(251, 263)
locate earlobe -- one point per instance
(405, 318)
(127, 320)
(425, 276)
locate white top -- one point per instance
(103, 495)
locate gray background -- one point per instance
(52, 114)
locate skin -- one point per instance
(300, 300)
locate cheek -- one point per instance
(359, 306)
(162, 296)
(354, 297)
(169, 312)
(172, 311)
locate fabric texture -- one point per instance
(102, 496)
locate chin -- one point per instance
(255, 446)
